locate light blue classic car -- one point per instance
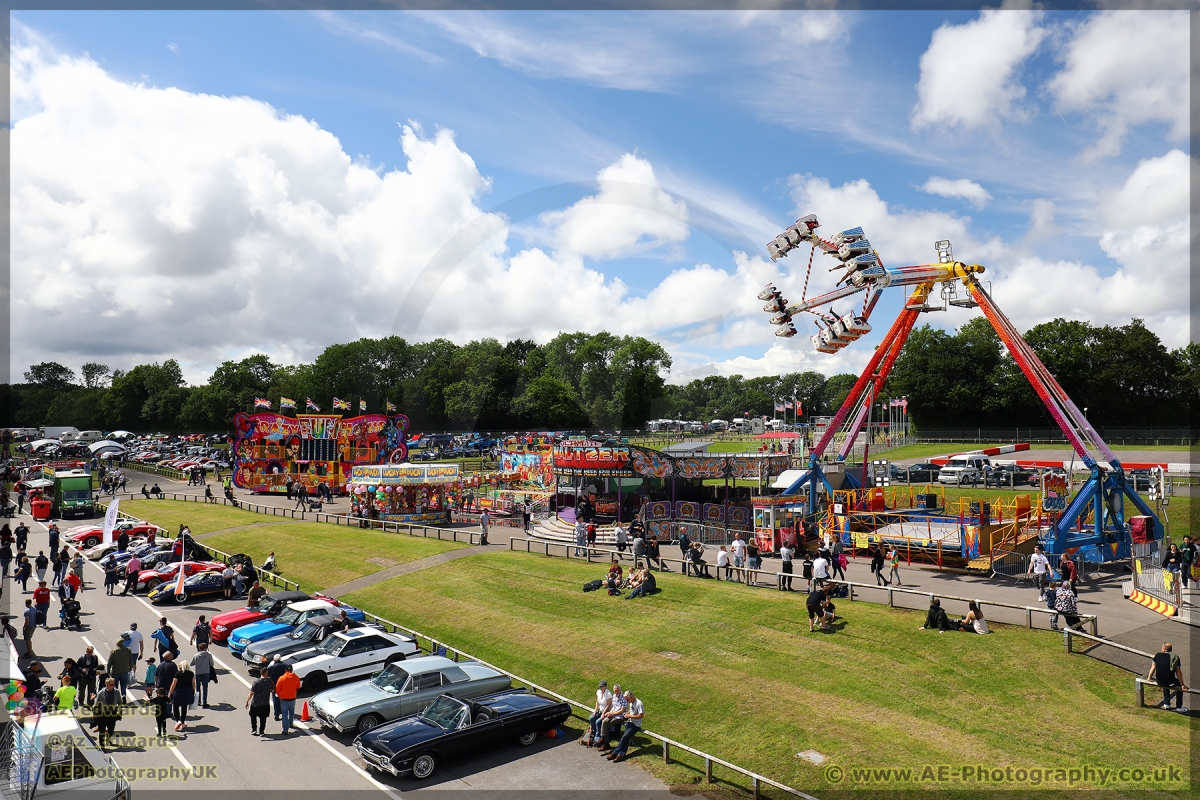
(401, 689)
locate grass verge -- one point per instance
(738, 674)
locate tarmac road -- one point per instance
(218, 743)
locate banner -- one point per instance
(110, 520)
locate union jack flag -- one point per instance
(390, 406)
(341, 405)
(310, 405)
(262, 402)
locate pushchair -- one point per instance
(9, 510)
(68, 614)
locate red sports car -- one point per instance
(150, 578)
(87, 536)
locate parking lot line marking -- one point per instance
(99, 657)
(314, 736)
(178, 755)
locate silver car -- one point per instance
(401, 689)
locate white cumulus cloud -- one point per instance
(1127, 68)
(961, 188)
(969, 73)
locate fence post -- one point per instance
(1067, 637)
(755, 780)
(1028, 617)
(891, 599)
(1095, 625)
(851, 588)
(1140, 689)
(666, 752)
(708, 770)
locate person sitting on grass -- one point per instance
(936, 618)
(974, 622)
(818, 609)
(643, 583)
(614, 578)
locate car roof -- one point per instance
(324, 619)
(428, 664)
(309, 605)
(290, 595)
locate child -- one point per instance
(162, 711)
(807, 570)
(151, 674)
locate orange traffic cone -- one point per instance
(304, 717)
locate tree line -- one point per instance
(1123, 375)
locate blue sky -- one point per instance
(1047, 149)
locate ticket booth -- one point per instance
(777, 520)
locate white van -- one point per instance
(964, 469)
(66, 759)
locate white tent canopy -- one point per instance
(121, 435)
(107, 446)
(40, 443)
(787, 478)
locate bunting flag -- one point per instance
(362, 406)
(390, 406)
(286, 402)
(310, 405)
(341, 405)
(262, 402)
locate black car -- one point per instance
(1140, 479)
(1012, 475)
(202, 584)
(311, 633)
(450, 727)
(920, 473)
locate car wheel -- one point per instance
(90, 541)
(393, 658)
(424, 765)
(367, 721)
(527, 739)
(181, 597)
(152, 584)
(315, 682)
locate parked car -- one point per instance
(286, 621)
(87, 536)
(1140, 479)
(964, 470)
(148, 579)
(1012, 475)
(311, 633)
(403, 689)
(920, 473)
(271, 604)
(101, 550)
(449, 727)
(355, 653)
(202, 584)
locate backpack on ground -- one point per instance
(592, 586)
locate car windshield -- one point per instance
(333, 645)
(76, 494)
(265, 606)
(289, 616)
(957, 462)
(445, 713)
(391, 680)
(306, 631)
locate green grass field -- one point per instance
(737, 674)
(315, 555)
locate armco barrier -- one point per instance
(607, 554)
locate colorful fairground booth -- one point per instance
(422, 493)
(272, 450)
(520, 477)
(692, 488)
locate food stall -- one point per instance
(422, 493)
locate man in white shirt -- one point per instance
(612, 718)
(634, 714)
(1040, 566)
(603, 703)
(622, 539)
(136, 643)
(820, 571)
(484, 521)
(739, 555)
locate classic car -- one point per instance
(168, 571)
(86, 536)
(920, 473)
(101, 550)
(404, 689)
(199, 585)
(355, 653)
(416, 744)
(286, 621)
(311, 633)
(268, 606)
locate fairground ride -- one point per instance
(1095, 516)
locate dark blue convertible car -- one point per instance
(418, 743)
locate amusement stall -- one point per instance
(422, 493)
(272, 450)
(520, 476)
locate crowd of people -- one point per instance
(617, 714)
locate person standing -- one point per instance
(106, 712)
(89, 668)
(28, 626)
(182, 693)
(53, 534)
(40, 564)
(580, 537)
(527, 513)
(132, 568)
(1066, 569)
(120, 665)
(1066, 604)
(1039, 567)
(227, 576)
(136, 641)
(785, 557)
(485, 520)
(877, 565)
(41, 603)
(622, 539)
(22, 537)
(274, 673)
(820, 570)
(894, 560)
(258, 701)
(111, 578)
(753, 562)
(202, 665)
(635, 713)
(1173, 561)
(6, 558)
(123, 541)
(286, 689)
(739, 555)
(24, 573)
(1188, 551)
(1167, 671)
(201, 632)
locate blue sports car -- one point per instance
(286, 621)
